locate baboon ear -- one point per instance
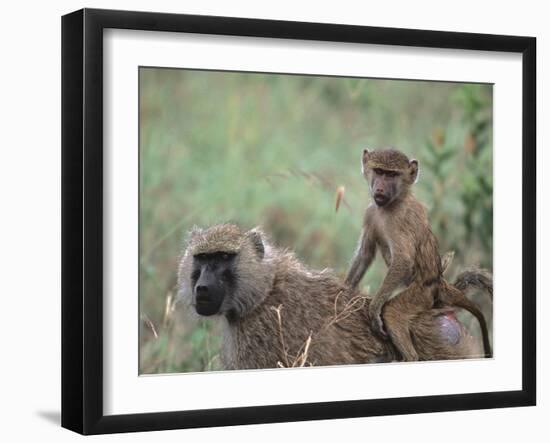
(414, 170)
(255, 237)
(364, 160)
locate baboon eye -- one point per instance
(226, 256)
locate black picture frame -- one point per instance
(82, 220)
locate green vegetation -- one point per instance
(271, 150)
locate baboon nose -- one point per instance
(202, 291)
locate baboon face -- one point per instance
(213, 279)
(385, 186)
(224, 271)
(389, 173)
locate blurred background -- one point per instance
(272, 150)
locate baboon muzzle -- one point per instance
(208, 296)
(381, 199)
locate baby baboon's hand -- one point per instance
(376, 323)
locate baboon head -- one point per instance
(224, 271)
(389, 173)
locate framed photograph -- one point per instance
(269, 221)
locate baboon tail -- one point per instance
(475, 278)
(456, 295)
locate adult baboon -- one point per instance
(279, 313)
(396, 223)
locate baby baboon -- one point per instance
(397, 224)
(277, 312)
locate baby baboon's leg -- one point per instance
(398, 314)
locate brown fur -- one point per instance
(296, 316)
(398, 226)
(389, 159)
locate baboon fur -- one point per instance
(278, 304)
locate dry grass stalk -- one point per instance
(301, 358)
(169, 307)
(298, 361)
(339, 196)
(277, 311)
(149, 323)
(354, 304)
(446, 261)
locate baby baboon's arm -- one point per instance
(363, 258)
(398, 274)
